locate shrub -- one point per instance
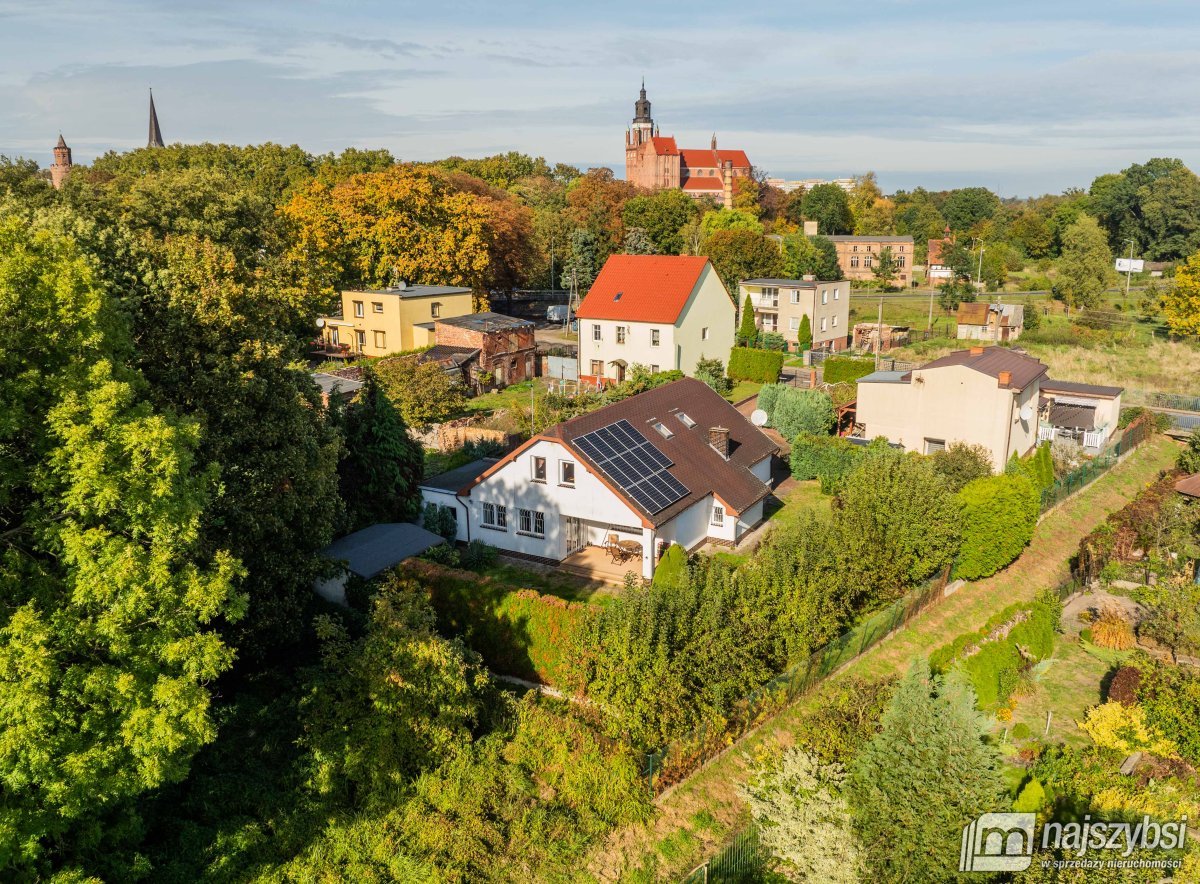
(479, 555)
(712, 373)
(1021, 731)
(836, 369)
(999, 517)
(1170, 696)
(960, 463)
(1085, 634)
(828, 458)
(1033, 795)
(440, 520)
(761, 366)
(672, 567)
(1124, 686)
(1112, 630)
(1124, 728)
(1189, 458)
(802, 411)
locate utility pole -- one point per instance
(879, 335)
(1129, 269)
(979, 272)
(929, 324)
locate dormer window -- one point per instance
(662, 429)
(617, 296)
(685, 420)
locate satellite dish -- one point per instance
(1026, 412)
(758, 417)
(320, 322)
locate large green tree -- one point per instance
(926, 774)
(742, 254)
(110, 597)
(810, 256)
(1181, 302)
(967, 207)
(1085, 269)
(662, 215)
(829, 206)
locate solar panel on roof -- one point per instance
(634, 464)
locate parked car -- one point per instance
(557, 313)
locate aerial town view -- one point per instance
(599, 443)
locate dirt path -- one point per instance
(702, 812)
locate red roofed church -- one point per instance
(654, 162)
(661, 311)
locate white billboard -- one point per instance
(1130, 265)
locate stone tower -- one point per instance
(642, 129)
(156, 139)
(62, 163)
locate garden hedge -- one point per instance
(760, 366)
(836, 369)
(828, 458)
(999, 516)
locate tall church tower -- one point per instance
(155, 139)
(642, 129)
(62, 163)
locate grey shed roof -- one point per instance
(416, 291)
(886, 377)
(379, 547)
(789, 283)
(456, 480)
(331, 382)
(486, 322)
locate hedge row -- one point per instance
(517, 632)
(760, 366)
(1000, 514)
(828, 458)
(836, 369)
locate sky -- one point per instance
(1022, 97)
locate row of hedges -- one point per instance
(995, 666)
(760, 366)
(999, 515)
(828, 458)
(792, 411)
(517, 632)
(836, 369)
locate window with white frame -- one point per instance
(495, 515)
(824, 321)
(685, 419)
(794, 323)
(854, 260)
(435, 310)
(537, 469)
(704, 333)
(795, 296)
(867, 261)
(662, 429)
(596, 331)
(531, 522)
(836, 292)
(653, 368)
(377, 306)
(824, 296)
(566, 473)
(900, 261)
(597, 368)
(718, 516)
(380, 340)
(655, 337)
(835, 322)
(358, 309)
(620, 334)
(769, 297)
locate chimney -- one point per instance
(1005, 378)
(718, 438)
(809, 277)
(976, 351)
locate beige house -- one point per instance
(780, 304)
(985, 396)
(376, 322)
(990, 322)
(1086, 414)
(857, 256)
(662, 311)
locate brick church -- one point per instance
(654, 162)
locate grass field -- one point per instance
(743, 390)
(654, 852)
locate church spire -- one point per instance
(156, 139)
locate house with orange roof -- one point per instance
(656, 162)
(662, 311)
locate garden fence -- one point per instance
(1177, 401)
(1132, 436)
(684, 754)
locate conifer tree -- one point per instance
(804, 338)
(747, 334)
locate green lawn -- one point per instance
(549, 582)
(743, 390)
(518, 396)
(804, 498)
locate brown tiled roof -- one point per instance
(1070, 387)
(973, 314)
(694, 462)
(993, 360)
(1189, 485)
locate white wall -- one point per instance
(708, 307)
(636, 349)
(691, 526)
(448, 499)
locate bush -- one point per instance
(828, 458)
(768, 397)
(836, 369)
(440, 520)
(712, 373)
(999, 517)
(960, 463)
(1189, 458)
(1033, 795)
(1021, 731)
(761, 366)
(802, 411)
(1112, 630)
(1124, 686)
(479, 555)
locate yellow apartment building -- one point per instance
(376, 322)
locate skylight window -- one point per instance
(662, 429)
(687, 421)
(617, 296)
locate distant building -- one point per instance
(155, 139)
(780, 304)
(376, 322)
(857, 256)
(846, 184)
(936, 270)
(62, 163)
(655, 162)
(484, 349)
(990, 322)
(662, 311)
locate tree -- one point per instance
(828, 205)
(1032, 315)
(968, 206)
(508, 232)
(1085, 269)
(804, 338)
(712, 373)
(747, 329)
(873, 213)
(1181, 302)
(637, 242)
(802, 411)
(1189, 458)
(926, 774)
(999, 515)
(583, 262)
(424, 393)
(803, 817)
(810, 256)
(382, 467)
(746, 193)
(742, 254)
(108, 639)
(662, 214)
(898, 523)
(886, 268)
(729, 219)
(595, 202)
(960, 463)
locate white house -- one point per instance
(676, 464)
(663, 311)
(990, 322)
